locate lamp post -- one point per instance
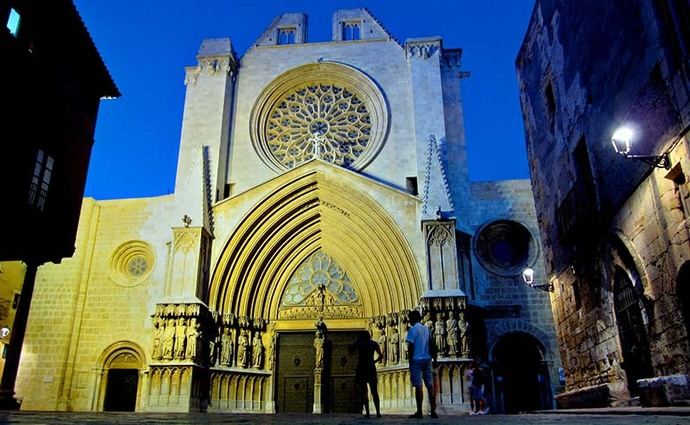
(528, 277)
(622, 139)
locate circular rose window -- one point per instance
(505, 247)
(131, 263)
(327, 111)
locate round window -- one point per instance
(325, 110)
(505, 247)
(131, 263)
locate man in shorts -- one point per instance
(420, 356)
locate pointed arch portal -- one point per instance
(315, 212)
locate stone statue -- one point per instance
(406, 328)
(440, 334)
(226, 348)
(242, 345)
(319, 342)
(169, 339)
(180, 336)
(394, 351)
(190, 352)
(452, 331)
(157, 352)
(428, 322)
(271, 349)
(465, 338)
(382, 344)
(257, 351)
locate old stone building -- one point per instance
(321, 191)
(55, 79)
(614, 225)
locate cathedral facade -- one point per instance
(321, 190)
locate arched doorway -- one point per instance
(520, 374)
(120, 384)
(316, 248)
(683, 294)
(633, 337)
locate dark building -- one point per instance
(54, 79)
(614, 227)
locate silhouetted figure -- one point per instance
(366, 370)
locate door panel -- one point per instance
(295, 369)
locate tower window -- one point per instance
(411, 185)
(352, 31)
(40, 181)
(550, 99)
(13, 22)
(286, 35)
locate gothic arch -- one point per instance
(120, 355)
(315, 210)
(495, 333)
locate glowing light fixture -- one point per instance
(622, 140)
(528, 277)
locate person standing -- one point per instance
(475, 376)
(366, 370)
(420, 357)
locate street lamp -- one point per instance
(621, 141)
(528, 277)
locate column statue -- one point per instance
(319, 342)
(180, 336)
(168, 339)
(452, 332)
(257, 351)
(157, 352)
(226, 347)
(242, 345)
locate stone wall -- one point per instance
(597, 211)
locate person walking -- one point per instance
(421, 355)
(366, 370)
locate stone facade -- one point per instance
(321, 191)
(614, 230)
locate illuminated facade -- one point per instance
(297, 221)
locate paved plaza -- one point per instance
(211, 418)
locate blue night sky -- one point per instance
(147, 44)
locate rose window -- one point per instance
(317, 276)
(325, 121)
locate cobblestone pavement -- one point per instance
(38, 418)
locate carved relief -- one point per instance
(439, 235)
(319, 288)
(184, 241)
